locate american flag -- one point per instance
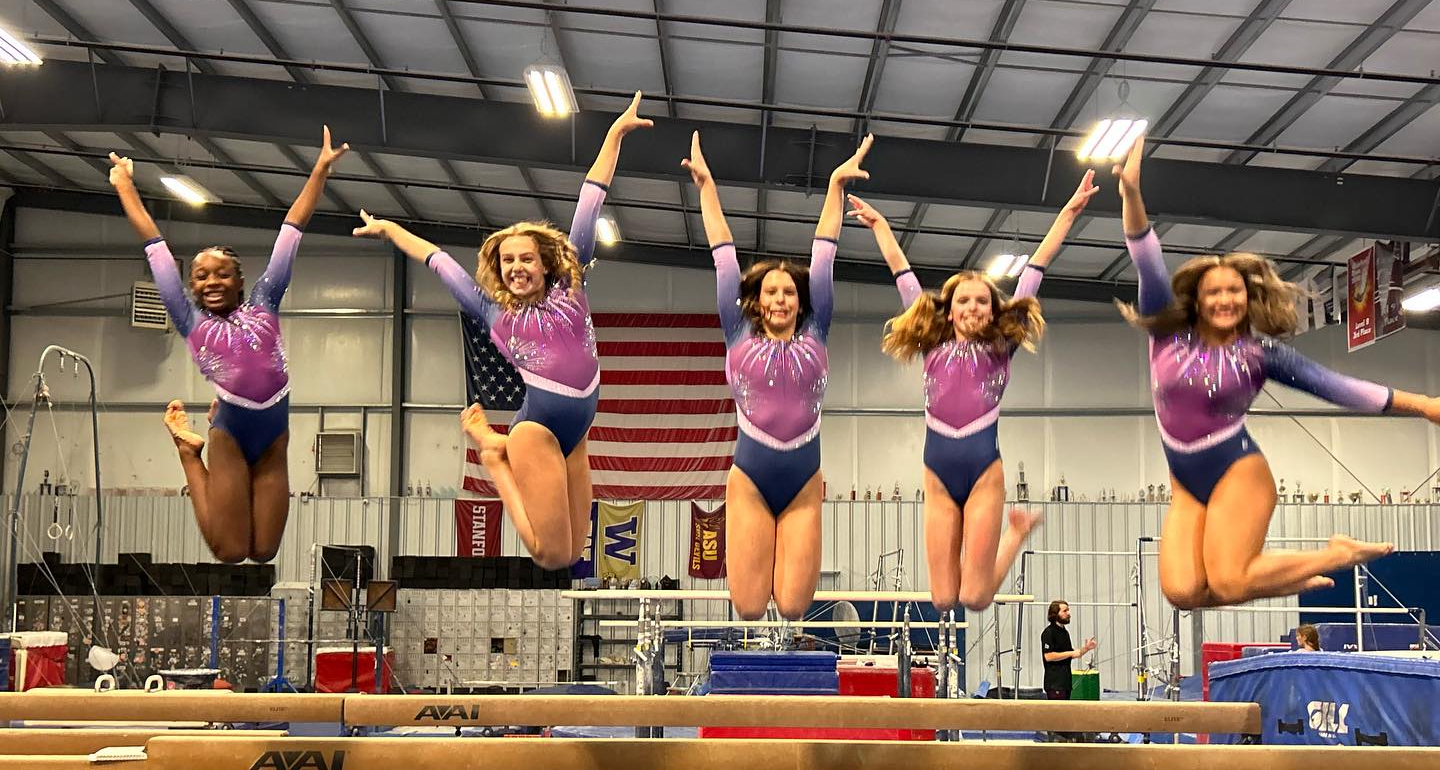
(665, 428)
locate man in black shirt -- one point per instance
(1058, 652)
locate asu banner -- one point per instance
(477, 527)
(707, 542)
(1360, 303)
(617, 541)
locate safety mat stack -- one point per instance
(774, 673)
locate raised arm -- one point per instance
(1140, 238)
(122, 178)
(162, 263)
(717, 230)
(1034, 270)
(905, 279)
(304, 206)
(832, 213)
(602, 171)
(473, 300)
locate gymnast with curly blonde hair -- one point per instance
(529, 291)
(1207, 364)
(966, 335)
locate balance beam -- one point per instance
(172, 705)
(85, 741)
(709, 594)
(166, 753)
(808, 711)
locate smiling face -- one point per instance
(779, 303)
(216, 282)
(1221, 300)
(521, 270)
(971, 308)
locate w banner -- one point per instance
(617, 541)
(1360, 305)
(477, 527)
(707, 542)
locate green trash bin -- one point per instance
(1085, 685)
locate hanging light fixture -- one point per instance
(15, 53)
(1111, 138)
(188, 190)
(606, 231)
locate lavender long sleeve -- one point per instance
(1029, 284)
(909, 287)
(270, 289)
(822, 285)
(472, 299)
(172, 290)
(582, 227)
(727, 292)
(1287, 366)
(1149, 261)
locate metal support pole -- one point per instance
(903, 656)
(1020, 618)
(1359, 610)
(1142, 640)
(1172, 689)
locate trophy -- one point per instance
(1022, 488)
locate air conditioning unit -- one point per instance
(337, 453)
(146, 309)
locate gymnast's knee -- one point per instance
(550, 558)
(749, 609)
(975, 601)
(1185, 595)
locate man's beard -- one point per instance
(1063, 621)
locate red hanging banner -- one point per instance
(477, 527)
(1361, 300)
(707, 542)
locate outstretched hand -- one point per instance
(374, 227)
(850, 169)
(122, 170)
(695, 164)
(329, 154)
(1083, 193)
(630, 119)
(1129, 171)
(864, 212)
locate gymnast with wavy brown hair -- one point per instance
(529, 291)
(966, 334)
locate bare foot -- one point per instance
(1023, 521)
(178, 423)
(1316, 583)
(479, 430)
(1359, 551)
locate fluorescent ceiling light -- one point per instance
(550, 89)
(188, 190)
(12, 51)
(1422, 302)
(606, 231)
(1007, 265)
(1111, 139)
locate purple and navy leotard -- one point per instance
(1202, 391)
(241, 354)
(964, 382)
(550, 342)
(778, 385)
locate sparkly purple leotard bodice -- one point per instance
(550, 342)
(778, 385)
(241, 353)
(1202, 391)
(965, 379)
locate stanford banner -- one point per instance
(707, 542)
(477, 527)
(1360, 300)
